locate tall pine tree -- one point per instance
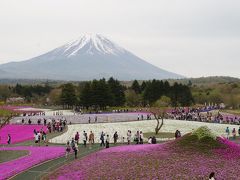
(117, 91)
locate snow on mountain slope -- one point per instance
(89, 44)
(89, 57)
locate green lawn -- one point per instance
(159, 135)
(5, 113)
(41, 171)
(11, 155)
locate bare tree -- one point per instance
(5, 120)
(159, 114)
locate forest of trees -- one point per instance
(111, 92)
(150, 92)
(29, 92)
(102, 93)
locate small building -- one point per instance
(15, 100)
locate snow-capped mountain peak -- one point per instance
(90, 57)
(91, 44)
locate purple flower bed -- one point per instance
(162, 161)
(19, 133)
(231, 117)
(230, 153)
(36, 155)
(13, 108)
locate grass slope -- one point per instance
(11, 155)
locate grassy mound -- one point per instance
(159, 135)
(204, 132)
(201, 140)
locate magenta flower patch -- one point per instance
(161, 161)
(36, 155)
(19, 133)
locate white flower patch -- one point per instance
(144, 126)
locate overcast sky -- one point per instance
(190, 37)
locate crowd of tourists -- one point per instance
(41, 113)
(53, 125)
(56, 125)
(40, 136)
(233, 131)
(203, 114)
(78, 110)
(104, 140)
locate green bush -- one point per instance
(201, 140)
(203, 132)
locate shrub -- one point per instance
(204, 132)
(201, 140)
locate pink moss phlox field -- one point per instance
(130, 148)
(14, 108)
(19, 133)
(36, 155)
(232, 150)
(161, 161)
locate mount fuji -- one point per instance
(89, 57)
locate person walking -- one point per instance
(154, 140)
(77, 137)
(227, 132)
(107, 141)
(36, 136)
(9, 139)
(39, 137)
(44, 138)
(89, 120)
(84, 139)
(179, 134)
(234, 133)
(102, 139)
(136, 138)
(49, 126)
(150, 140)
(45, 122)
(91, 139)
(129, 136)
(72, 144)
(68, 149)
(75, 149)
(115, 137)
(176, 134)
(141, 137)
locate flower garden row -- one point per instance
(145, 126)
(164, 161)
(18, 133)
(161, 161)
(36, 155)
